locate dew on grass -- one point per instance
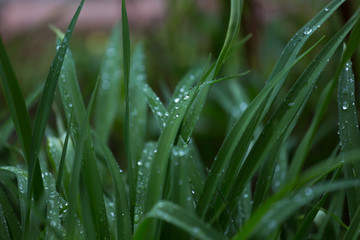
(176, 100)
(345, 105)
(308, 192)
(105, 84)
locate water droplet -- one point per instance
(246, 195)
(105, 84)
(326, 9)
(345, 105)
(176, 100)
(136, 218)
(186, 97)
(308, 192)
(308, 31)
(291, 104)
(139, 163)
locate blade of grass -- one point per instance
(131, 163)
(229, 145)
(4, 231)
(60, 171)
(10, 215)
(348, 130)
(156, 106)
(144, 165)
(122, 213)
(138, 106)
(42, 115)
(282, 122)
(109, 92)
(289, 53)
(304, 146)
(270, 215)
(179, 217)
(15, 102)
(354, 229)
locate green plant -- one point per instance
(73, 187)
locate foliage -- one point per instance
(257, 186)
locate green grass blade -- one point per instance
(144, 165)
(289, 54)
(156, 106)
(233, 29)
(43, 110)
(126, 66)
(122, 213)
(179, 217)
(138, 106)
(304, 147)
(230, 143)
(10, 215)
(15, 102)
(110, 86)
(4, 231)
(271, 215)
(349, 132)
(354, 229)
(85, 163)
(286, 115)
(60, 171)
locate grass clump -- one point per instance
(72, 187)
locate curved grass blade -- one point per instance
(4, 231)
(122, 213)
(43, 112)
(158, 171)
(131, 163)
(271, 215)
(10, 215)
(289, 54)
(228, 147)
(15, 102)
(138, 106)
(349, 131)
(60, 171)
(144, 165)
(282, 122)
(156, 106)
(354, 229)
(110, 86)
(179, 217)
(304, 146)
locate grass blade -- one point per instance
(283, 119)
(179, 217)
(109, 92)
(122, 213)
(16, 102)
(270, 215)
(131, 163)
(349, 132)
(43, 112)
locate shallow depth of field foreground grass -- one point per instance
(62, 180)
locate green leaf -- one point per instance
(43, 112)
(15, 102)
(179, 217)
(10, 215)
(144, 165)
(122, 211)
(110, 87)
(282, 122)
(271, 215)
(349, 131)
